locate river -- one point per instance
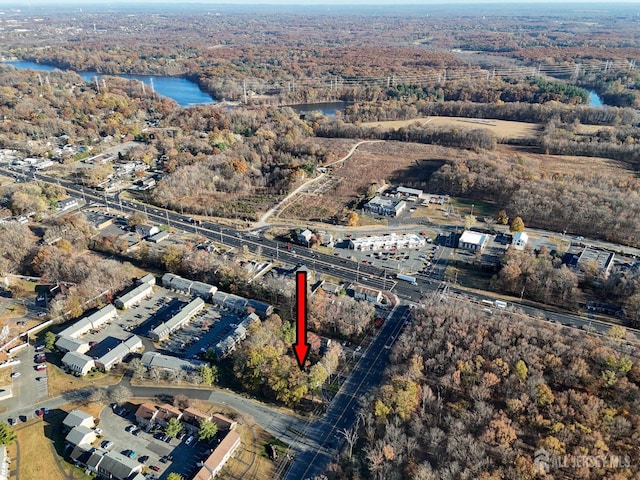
(183, 91)
(594, 99)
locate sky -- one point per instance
(300, 2)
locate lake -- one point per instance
(183, 91)
(326, 108)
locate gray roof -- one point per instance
(81, 454)
(99, 317)
(77, 435)
(82, 325)
(179, 318)
(199, 288)
(176, 282)
(119, 352)
(118, 465)
(77, 359)
(75, 418)
(168, 362)
(137, 293)
(158, 237)
(70, 344)
(95, 458)
(148, 278)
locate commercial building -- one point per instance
(602, 259)
(360, 292)
(78, 362)
(67, 204)
(165, 329)
(145, 230)
(473, 241)
(409, 192)
(387, 242)
(385, 206)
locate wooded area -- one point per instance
(473, 396)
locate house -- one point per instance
(520, 240)
(177, 283)
(70, 344)
(168, 362)
(304, 237)
(165, 413)
(385, 206)
(118, 354)
(602, 259)
(326, 239)
(67, 203)
(214, 463)
(117, 466)
(132, 297)
(262, 309)
(360, 292)
(176, 322)
(78, 362)
(331, 288)
(145, 230)
(94, 460)
(149, 278)
(77, 418)
(473, 241)
(81, 435)
(145, 414)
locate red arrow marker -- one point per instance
(301, 347)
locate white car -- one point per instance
(15, 374)
(98, 431)
(189, 440)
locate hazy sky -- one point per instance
(298, 2)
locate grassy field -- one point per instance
(61, 382)
(36, 455)
(500, 128)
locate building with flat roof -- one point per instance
(601, 258)
(176, 322)
(520, 240)
(473, 241)
(159, 237)
(409, 192)
(385, 206)
(387, 242)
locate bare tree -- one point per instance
(120, 394)
(351, 436)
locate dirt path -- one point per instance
(273, 210)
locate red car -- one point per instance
(42, 366)
(155, 468)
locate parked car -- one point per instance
(11, 421)
(40, 348)
(107, 444)
(155, 468)
(143, 458)
(129, 428)
(98, 431)
(189, 440)
(42, 366)
(15, 374)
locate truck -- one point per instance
(500, 304)
(407, 278)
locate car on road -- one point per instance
(189, 440)
(41, 367)
(15, 374)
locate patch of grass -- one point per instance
(61, 382)
(480, 208)
(36, 455)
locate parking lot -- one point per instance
(148, 449)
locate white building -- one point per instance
(118, 354)
(145, 230)
(176, 322)
(77, 417)
(385, 206)
(4, 463)
(70, 344)
(520, 240)
(134, 296)
(81, 435)
(473, 241)
(67, 203)
(177, 283)
(409, 192)
(203, 290)
(219, 456)
(387, 242)
(78, 362)
(360, 292)
(95, 320)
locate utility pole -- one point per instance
(244, 90)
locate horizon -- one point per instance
(301, 3)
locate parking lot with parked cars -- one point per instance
(159, 453)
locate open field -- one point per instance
(61, 382)
(36, 454)
(500, 128)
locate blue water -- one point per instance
(594, 99)
(183, 91)
(326, 108)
